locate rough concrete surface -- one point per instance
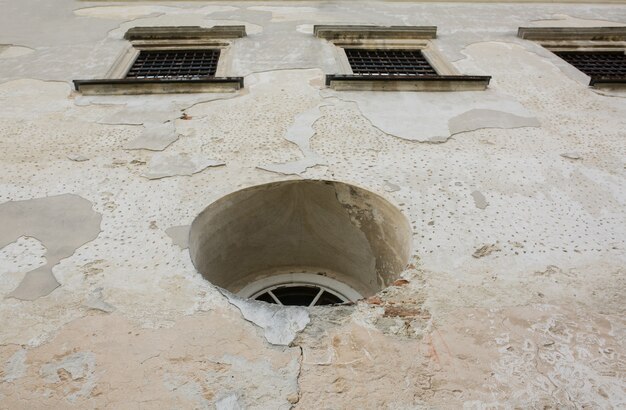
(513, 296)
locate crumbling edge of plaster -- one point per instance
(281, 324)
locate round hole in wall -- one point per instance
(304, 242)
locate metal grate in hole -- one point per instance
(299, 295)
(183, 64)
(388, 62)
(600, 64)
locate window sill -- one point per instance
(351, 82)
(127, 86)
(608, 83)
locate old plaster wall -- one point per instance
(515, 292)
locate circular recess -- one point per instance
(296, 238)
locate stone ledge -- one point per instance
(350, 82)
(572, 33)
(185, 33)
(158, 86)
(338, 32)
(608, 83)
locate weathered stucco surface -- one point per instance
(514, 295)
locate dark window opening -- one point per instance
(299, 295)
(178, 64)
(389, 62)
(597, 64)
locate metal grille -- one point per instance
(179, 64)
(388, 62)
(604, 64)
(299, 295)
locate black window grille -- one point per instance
(597, 64)
(389, 62)
(299, 295)
(177, 64)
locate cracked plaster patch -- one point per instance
(281, 324)
(153, 109)
(154, 137)
(164, 165)
(300, 133)
(96, 302)
(61, 223)
(438, 115)
(76, 371)
(229, 402)
(480, 118)
(179, 235)
(391, 187)
(15, 367)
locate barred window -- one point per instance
(597, 64)
(177, 64)
(389, 62)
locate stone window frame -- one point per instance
(169, 38)
(592, 39)
(387, 38)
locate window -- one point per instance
(175, 64)
(392, 58)
(171, 60)
(388, 62)
(598, 52)
(300, 295)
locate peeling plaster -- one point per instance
(163, 165)
(62, 223)
(15, 367)
(391, 187)
(228, 402)
(479, 200)
(152, 110)
(479, 118)
(179, 235)
(96, 302)
(154, 137)
(280, 324)
(300, 133)
(539, 322)
(77, 370)
(439, 114)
